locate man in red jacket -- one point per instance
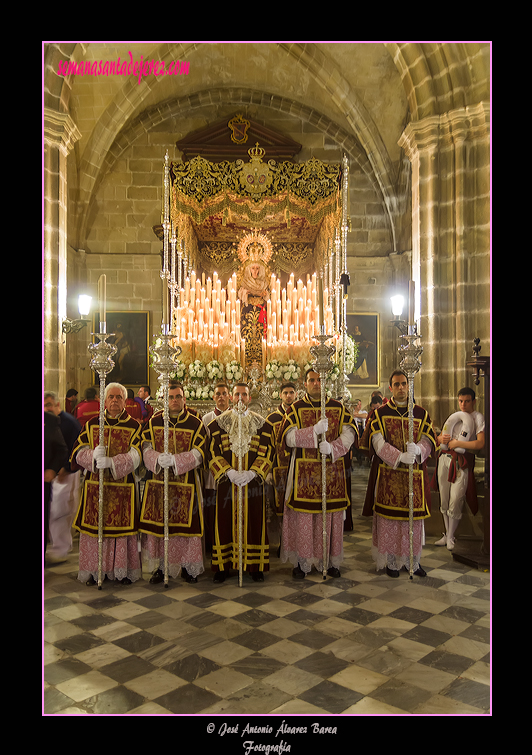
(89, 407)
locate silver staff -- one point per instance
(322, 365)
(101, 363)
(411, 364)
(240, 409)
(164, 363)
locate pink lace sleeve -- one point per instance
(84, 458)
(305, 438)
(123, 464)
(342, 444)
(184, 462)
(390, 454)
(426, 448)
(385, 451)
(150, 457)
(338, 449)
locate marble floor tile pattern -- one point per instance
(361, 644)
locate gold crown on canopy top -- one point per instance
(255, 247)
(256, 152)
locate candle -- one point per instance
(320, 302)
(102, 286)
(411, 301)
(165, 304)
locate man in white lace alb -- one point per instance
(254, 447)
(187, 441)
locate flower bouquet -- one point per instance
(233, 371)
(179, 372)
(196, 370)
(215, 371)
(274, 370)
(198, 393)
(291, 371)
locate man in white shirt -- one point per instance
(455, 472)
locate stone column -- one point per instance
(450, 242)
(60, 134)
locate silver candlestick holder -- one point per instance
(410, 353)
(323, 363)
(164, 363)
(102, 363)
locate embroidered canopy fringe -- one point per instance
(200, 189)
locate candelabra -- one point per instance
(164, 363)
(410, 353)
(323, 356)
(101, 362)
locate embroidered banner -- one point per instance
(119, 509)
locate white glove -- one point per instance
(408, 457)
(412, 448)
(245, 478)
(165, 460)
(98, 452)
(322, 426)
(325, 447)
(233, 475)
(103, 462)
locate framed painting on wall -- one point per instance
(364, 328)
(131, 337)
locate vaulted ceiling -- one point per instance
(361, 95)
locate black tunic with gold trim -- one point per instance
(280, 462)
(258, 459)
(388, 487)
(185, 516)
(305, 465)
(121, 434)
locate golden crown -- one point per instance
(256, 152)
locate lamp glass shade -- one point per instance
(84, 304)
(398, 302)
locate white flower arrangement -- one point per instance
(179, 372)
(233, 371)
(200, 393)
(351, 350)
(274, 370)
(215, 371)
(291, 371)
(196, 370)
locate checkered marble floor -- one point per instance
(358, 645)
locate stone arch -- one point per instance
(438, 78)
(113, 126)
(161, 112)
